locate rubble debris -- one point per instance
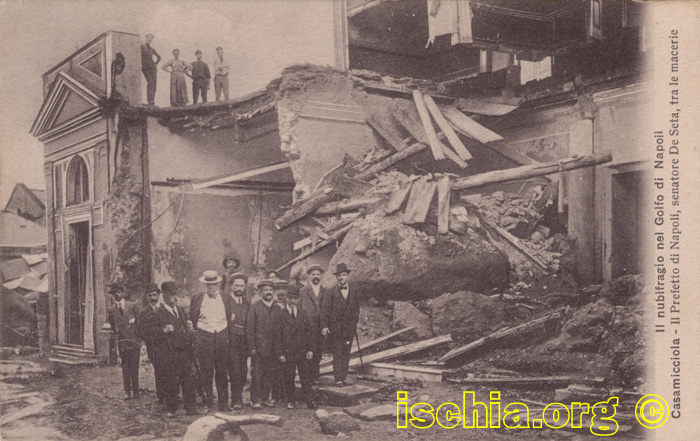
(404, 315)
(443, 210)
(348, 395)
(304, 207)
(428, 125)
(498, 336)
(624, 290)
(347, 205)
(401, 351)
(333, 423)
(468, 126)
(317, 247)
(371, 344)
(582, 393)
(419, 200)
(586, 330)
(447, 129)
(387, 133)
(208, 428)
(466, 315)
(404, 372)
(557, 380)
(515, 242)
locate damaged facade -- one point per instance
(436, 156)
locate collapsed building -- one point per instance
(497, 160)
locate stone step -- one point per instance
(347, 395)
(75, 362)
(72, 349)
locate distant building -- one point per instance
(28, 204)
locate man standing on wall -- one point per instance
(200, 78)
(341, 312)
(149, 68)
(209, 313)
(312, 297)
(122, 318)
(221, 70)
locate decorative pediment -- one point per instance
(68, 102)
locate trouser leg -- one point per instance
(315, 362)
(126, 377)
(237, 367)
(267, 364)
(289, 372)
(133, 367)
(205, 356)
(256, 389)
(221, 367)
(151, 78)
(188, 386)
(305, 377)
(224, 86)
(341, 358)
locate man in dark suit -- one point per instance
(293, 346)
(312, 297)
(173, 345)
(341, 312)
(259, 339)
(122, 318)
(149, 69)
(144, 326)
(210, 314)
(237, 346)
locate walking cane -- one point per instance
(359, 352)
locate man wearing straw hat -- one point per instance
(259, 339)
(209, 312)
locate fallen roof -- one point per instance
(13, 269)
(16, 231)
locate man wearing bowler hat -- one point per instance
(173, 346)
(312, 297)
(339, 317)
(122, 318)
(259, 338)
(237, 347)
(209, 312)
(144, 320)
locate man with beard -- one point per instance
(238, 349)
(312, 297)
(144, 326)
(341, 312)
(259, 338)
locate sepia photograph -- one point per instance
(366, 219)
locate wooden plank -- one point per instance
(468, 126)
(499, 335)
(398, 371)
(398, 196)
(418, 133)
(391, 160)
(347, 205)
(515, 241)
(256, 418)
(530, 171)
(419, 200)
(387, 133)
(502, 148)
(443, 190)
(455, 142)
(428, 125)
(371, 344)
(335, 236)
(483, 107)
(530, 381)
(350, 187)
(231, 177)
(395, 352)
(304, 207)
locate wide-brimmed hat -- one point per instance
(281, 284)
(152, 287)
(315, 267)
(114, 287)
(341, 268)
(235, 276)
(266, 282)
(210, 277)
(169, 287)
(227, 258)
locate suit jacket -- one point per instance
(259, 328)
(312, 305)
(196, 306)
(145, 324)
(292, 337)
(172, 343)
(340, 316)
(236, 315)
(127, 335)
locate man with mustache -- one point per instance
(144, 326)
(312, 297)
(259, 338)
(238, 348)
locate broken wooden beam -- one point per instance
(443, 211)
(232, 177)
(347, 205)
(396, 352)
(419, 200)
(372, 344)
(316, 247)
(403, 372)
(515, 242)
(398, 196)
(387, 133)
(418, 133)
(499, 335)
(468, 126)
(433, 140)
(304, 207)
(530, 171)
(391, 160)
(529, 381)
(256, 418)
(447, 129)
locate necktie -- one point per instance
(175, 313)
(294, 312)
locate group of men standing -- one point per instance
(198, 71)
(284, 332)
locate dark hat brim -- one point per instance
(315, 267)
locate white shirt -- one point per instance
(345, 291)
(221, 67)
(212, 315)
(173, 311)
(268, 304)
(292, 311)
(122, 304)
(316, 289)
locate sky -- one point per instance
(261, 36)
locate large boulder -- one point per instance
(587, 328)
(333, 423)
(466, 315)
(390, 260)
(404, 315)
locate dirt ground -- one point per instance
(87, 404)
